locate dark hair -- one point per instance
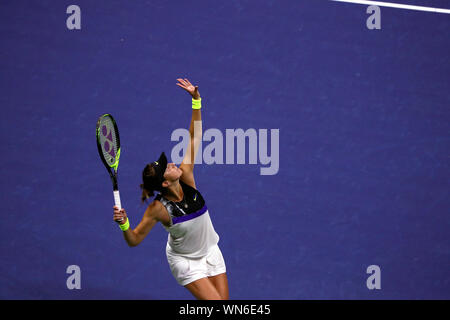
(151, 183)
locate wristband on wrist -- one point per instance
(125, 226)
(196, 104)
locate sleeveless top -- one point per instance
(191, 232)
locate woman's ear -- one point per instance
(165, 183)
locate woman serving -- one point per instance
(192, 247)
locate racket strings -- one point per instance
(108, 140)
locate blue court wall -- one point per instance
(363, 118)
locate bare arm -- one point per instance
(195, 132)
(149, 220)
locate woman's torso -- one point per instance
(188, 223)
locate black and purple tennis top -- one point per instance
(191, 232)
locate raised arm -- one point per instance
(195, 131)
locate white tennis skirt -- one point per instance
(186, 270)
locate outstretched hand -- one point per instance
(189, 87)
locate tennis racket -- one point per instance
(108, 143)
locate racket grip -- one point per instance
(117, 199)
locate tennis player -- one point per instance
(192, 247)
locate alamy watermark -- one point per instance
(74, 280)
(374, 20)
(73, 22)
(374, 280)
(216, 153)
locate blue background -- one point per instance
(364, 145)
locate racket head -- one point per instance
(108, 142)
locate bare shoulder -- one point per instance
(158, 212)
(155, 210)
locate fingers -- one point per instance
(189, 87)
(119, 215)
(183, 82)
(118, 218)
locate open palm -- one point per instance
(189, 87)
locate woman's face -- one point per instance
(172, 172)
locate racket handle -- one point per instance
(117, 199)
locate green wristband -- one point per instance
(196, 104)
(125, 226)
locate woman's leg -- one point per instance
(220, 282)
(203, 289)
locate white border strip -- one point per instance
(396, 5)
